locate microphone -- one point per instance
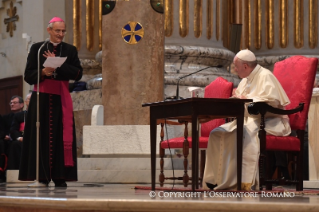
(182, 77)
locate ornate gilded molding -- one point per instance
(77, 24)
(217, 19)
(247, 24)
(313, 23)
(169, 18)
(283, 21)
(270, 24)
(198, 4)
(183, 18)
(298, 23)
(225, 9)
(209, 19)
(89, 24)
(13, 17)
(237, 19)
(257, 21)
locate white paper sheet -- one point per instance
(54, 62)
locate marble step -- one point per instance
(111, 176)
(118, 170)
(127, 163)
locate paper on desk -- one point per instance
(54, 62)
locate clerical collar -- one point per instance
(253, 73)
(54, 44)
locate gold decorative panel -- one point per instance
(183, 18)
(270, 23)
(217, 19)
(77, 24)
(247, 24)
(89, 24)
(257, 21)
(169, 15)
(313, 23)
(283, 21)
(209, 19)
(298, 23)
(225, 19)
(198, 4)
(237, 19)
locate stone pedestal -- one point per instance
(313, 145)
(132, 71)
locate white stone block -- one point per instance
(122, 176)
(128, 164)
(117, 140)
(97, 117)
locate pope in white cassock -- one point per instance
(260, 85)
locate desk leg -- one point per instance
(240, 123)
(153, 151)
(194, 153)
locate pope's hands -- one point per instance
(239, 97)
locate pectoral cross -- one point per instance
(11, 25)
(54, 74)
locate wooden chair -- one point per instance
(219, 88)
(296, 75)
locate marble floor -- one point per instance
(123, 197)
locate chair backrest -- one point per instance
(219, 88)
(297, 75)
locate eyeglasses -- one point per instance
(13, 103)
(58, 31)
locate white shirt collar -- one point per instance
(54, 44)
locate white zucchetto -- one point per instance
(246, 55)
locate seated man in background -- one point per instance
(260, 85)
(16, 105)
(2, 134)
(16, 134)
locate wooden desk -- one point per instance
(194, 110)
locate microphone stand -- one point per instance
(37, 183)
(177, 88)
(182, 77)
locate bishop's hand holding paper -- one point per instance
(57, 155)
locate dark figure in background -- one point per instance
(2, 134)
(16, 134)
(16, 105)
(57, 143)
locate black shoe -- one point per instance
(61, 185)
(211, 186)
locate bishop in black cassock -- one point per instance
(57, 155)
